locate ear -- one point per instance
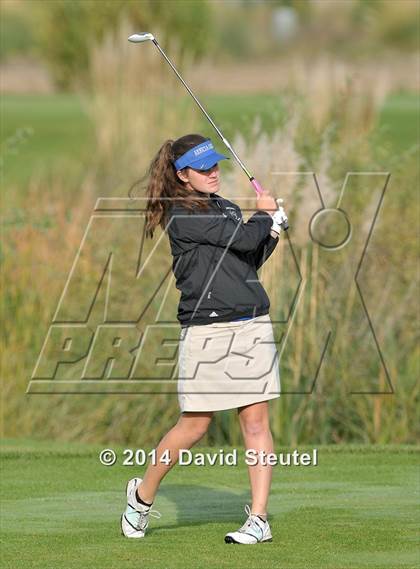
(182, 176)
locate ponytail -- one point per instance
(164, 187)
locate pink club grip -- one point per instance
(259, 189)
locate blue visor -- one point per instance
(201, 157)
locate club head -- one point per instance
(138, 38)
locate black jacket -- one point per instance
(215, 260)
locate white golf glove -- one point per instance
(279, 217)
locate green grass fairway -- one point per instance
(39, 131)
(43, 132)
(357, 509)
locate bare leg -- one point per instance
(254, 421)
(189, 429)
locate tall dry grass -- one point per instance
(331, 410)
(136, 104)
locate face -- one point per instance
(206, 181)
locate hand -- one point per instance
(280, 220)
(266, 202)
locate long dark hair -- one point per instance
(165, 188)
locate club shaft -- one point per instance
(203, 110)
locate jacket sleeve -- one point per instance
(264, 250)
(213, 229)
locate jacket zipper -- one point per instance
(214, 262)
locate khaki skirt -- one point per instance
(227, 365)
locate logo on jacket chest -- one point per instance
(233, 213)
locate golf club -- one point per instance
(145, 36)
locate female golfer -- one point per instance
(227, 355)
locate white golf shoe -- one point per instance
(135, 519)
(254, 530)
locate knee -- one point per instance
(199, 429)
(254, 427)
(196, 427)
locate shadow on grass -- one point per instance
(197, 505)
